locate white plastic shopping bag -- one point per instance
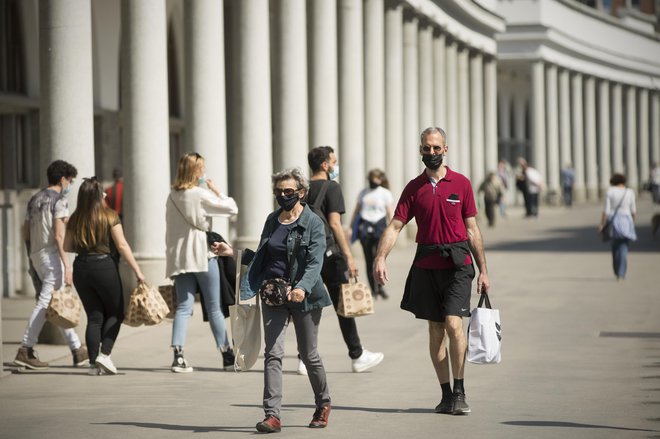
(484, 334)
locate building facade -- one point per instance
(251, 85)
(579, 83)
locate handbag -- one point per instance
(606, 231)
(274, 292)
(169, 296)
(355, 299)
(146, 306)
(245, 319)
(484, 334)
(64, 308)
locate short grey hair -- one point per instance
(294, 174)
(433, 130)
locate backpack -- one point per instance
(332, 250)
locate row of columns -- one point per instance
(587, 121)
(364, 76)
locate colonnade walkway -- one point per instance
(581, 358)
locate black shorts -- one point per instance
(435, 294)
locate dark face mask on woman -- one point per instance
(373, 184)
(287, 203)
(433, 162)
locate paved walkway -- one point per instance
(581, 359)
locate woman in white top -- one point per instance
(190, 262)
(620, 211)
(372, 212)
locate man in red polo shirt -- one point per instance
(439, 284)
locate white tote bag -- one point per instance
(245, 320)
(484, 334)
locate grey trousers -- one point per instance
(276, 320)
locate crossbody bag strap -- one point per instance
(620, 202)
(321, 195)
(184, 217)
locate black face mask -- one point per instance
(288, 203)
(373, 184)
(432, 162)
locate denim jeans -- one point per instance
(186, 287)
(276, 320)
(620, 256)
(48, 268)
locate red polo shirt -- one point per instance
(440, 213)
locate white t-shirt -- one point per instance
(374, 203)
(43, 209)
(623, 195)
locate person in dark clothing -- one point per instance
(336, 269)
(95, 233)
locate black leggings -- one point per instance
(99, 287)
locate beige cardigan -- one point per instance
(185, 239)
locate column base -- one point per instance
(592, 194)
(553, 197)
(579, 195)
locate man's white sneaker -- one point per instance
(104, 363)
(367, 360)
(302, 369)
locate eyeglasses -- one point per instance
(287, 192)
(436, 148)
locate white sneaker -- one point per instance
(367, 360)
(104, 363)
(302, 369)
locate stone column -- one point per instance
(439, 81)
(461, 142)
(590, 138)
(552, 112)
(490, 113)
(452, 131)
(206, 129)
(67, 104)
(604, 136)
(565, 118)
(476, 144)
(322, 68)
(374, 83)
(578, 137)
(538, 160)
(397, 145)
(644, 167)
(145, 132)
(425, 57)
(251, 158)
(655, 128)
(631, 137)
(617, 129)
(410, 93)
(519, 116)
(351, 99)
(289, 81)
(504, 105)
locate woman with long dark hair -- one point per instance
(95, 233)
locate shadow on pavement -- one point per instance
(576, 239)
(188, 428)
(570, 425)
(347, 408)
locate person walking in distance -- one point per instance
(43, 231)
(439, 283)
(323, 163)
(372, 212)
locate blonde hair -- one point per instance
(187, 171)
(90, 224)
